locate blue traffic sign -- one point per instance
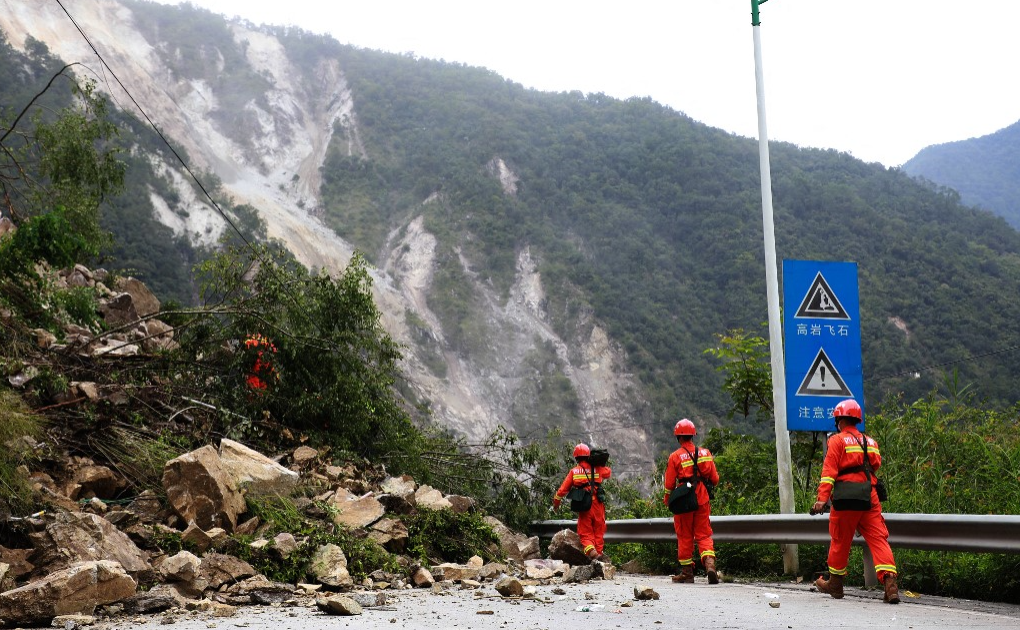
(822, 331)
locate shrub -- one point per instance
(18, 421)
(448, 536)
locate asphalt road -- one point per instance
(685, 606)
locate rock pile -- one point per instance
(182, 546)
(91, 557)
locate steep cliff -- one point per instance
(267, 147)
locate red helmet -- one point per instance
(685, 427)
(582, 450)
(847, 409)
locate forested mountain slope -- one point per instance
(985, 171)
(549, 260)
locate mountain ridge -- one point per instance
(278, 175)
(558, 260)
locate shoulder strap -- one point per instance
(868, 470)
(693, 456)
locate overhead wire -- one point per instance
(155, 128)
(604, 430)
(255, 252)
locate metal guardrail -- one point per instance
(935, 532)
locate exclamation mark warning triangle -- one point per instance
(820, 302)
(823, 379)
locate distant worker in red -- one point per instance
(591, 523)
(262, 371)
(696, 525)
(848, 480)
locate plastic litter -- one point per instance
(590, 608)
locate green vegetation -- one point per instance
(455, 537)
(18, 422)
(943, 454)
(639, 219)
(280, 514)
(985, 171)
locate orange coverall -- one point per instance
(591, 524)
(844, 451)
(693, 525)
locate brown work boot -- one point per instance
(833, 586)
(592, 555)
(686, 575)
(709, 562)
(604, 558)
(892, 591)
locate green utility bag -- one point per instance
(851, 495)
(580, 499)
(684, 498)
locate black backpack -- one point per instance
(599, 457)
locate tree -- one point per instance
(54, 174)
(57, 173)
(748, 372)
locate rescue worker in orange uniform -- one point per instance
(844, 462)
(591, 524)
(693, 526)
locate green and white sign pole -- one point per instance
(783, 460)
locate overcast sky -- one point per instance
(880, 79)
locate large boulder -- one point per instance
(390, 533)
(432, 499)
(95, 481)
(329, 567)
(566, 546)
(143, 300)
(78, 589)
(74, 537)
(201, 491)
(515, 546)
(355, 511)
(253, 472)
(217, 569)
(181, 567)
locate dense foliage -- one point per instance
(985, 171)
(652, 222)
(636, 214)
(640, 219)
(945, 453)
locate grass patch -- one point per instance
(445, 535)
(137, 454)
(280, 514)
(18, 421)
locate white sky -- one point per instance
(880, 79)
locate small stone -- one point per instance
(774, 603)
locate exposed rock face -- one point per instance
(76, 589)
(276, 170)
